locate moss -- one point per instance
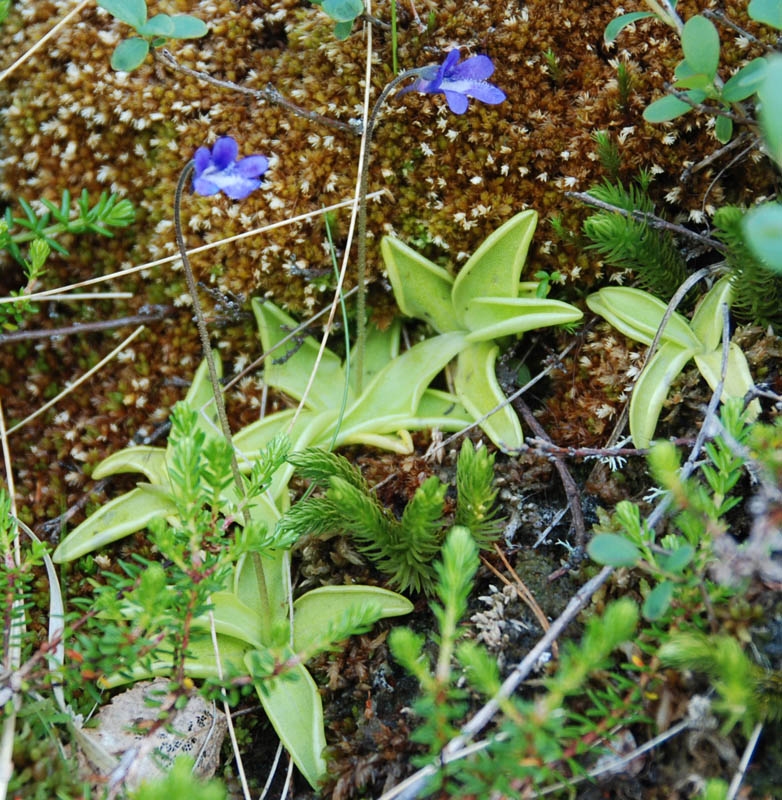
(133, 133)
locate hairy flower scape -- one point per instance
(219, 171)
(458, 81)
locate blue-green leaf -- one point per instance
(187, 27)
(132, 12)
(342, 30)
(619, 23)
(763, 231)
(678, 559)
(770, 111)
(768, 11)
(745, 82)
(129, 54)
(670, 107)
(159, 25)
(613, 550)
(701, 45)
(343, 10)
(658, 601)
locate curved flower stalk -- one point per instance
(638, 314)
(395, 398)
(485, 302)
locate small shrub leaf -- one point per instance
(768, 11)
(723, 129)
(187, 27)
(129, 54)
(658, 601)
(670, 107)
(343, 10)
(745, 82)
(613, 550)
(132, 12)
(763, 232)
(701, 45)
(159, 25)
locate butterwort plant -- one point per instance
(458, 81)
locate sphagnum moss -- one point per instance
(451, 179)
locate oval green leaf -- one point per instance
(670, 107)
(763, 231)
(723, 129)
(132, 12)
(701, 45)
(343, 10)
(129, 54)
(768, 11)
(678, 559)
(745, 82)
(658, 601)
(770, 112)
(187, 27)
(613, 550)
(159, 25)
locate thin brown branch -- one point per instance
(652, 220)
(159, 312)
(568, 483)
(269, 94)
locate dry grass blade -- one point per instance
(19, 61)
(203, 248)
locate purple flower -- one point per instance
(219, 171)
(459, 81)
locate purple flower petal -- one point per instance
(224, 152)
(486, 93)
(442, 73)
(201, 158)
(456, 102)
(240, 187)
(252, 166)
(204, 187)
(477, 68)
(450, 60)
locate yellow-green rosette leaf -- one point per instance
(122, 516)
(494, 269)
(476, 386)
(150, 461)
(492, 317)
(315, 610)
(293, 375)
(738, 380)
(421, 288)
(396, 390)
(638, 314)
(707, 320)
(651, 389)
(295, 711)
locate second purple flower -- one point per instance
(459, 81)
(217, 170)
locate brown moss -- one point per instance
(452, 179)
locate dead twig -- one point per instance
(568, 483)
